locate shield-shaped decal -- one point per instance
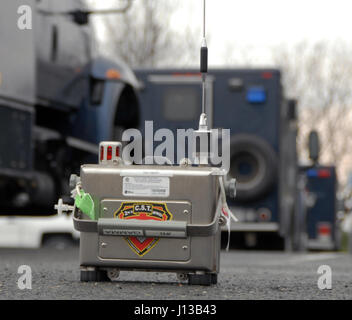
(143, 211)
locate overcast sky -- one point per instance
(260, 24)
(264, 23)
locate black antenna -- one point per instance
(203, 132)
(203, 124)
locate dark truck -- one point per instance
(320, 215)
(58, 100)
(252, 104)
(322, 222)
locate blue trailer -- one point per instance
(252, 104)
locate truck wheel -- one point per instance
(338, 238)
(94, 276)
(253, 165)
(214, 278)
(201, 279)
(300, 237)
(288, 247)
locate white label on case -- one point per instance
(146, 186)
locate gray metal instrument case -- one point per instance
(158, 218)
(154, 217)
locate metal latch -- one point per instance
(164, 229)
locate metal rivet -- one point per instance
(184, 247)
(185, 211)
(105, 209)
(104, 244)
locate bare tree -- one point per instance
(320, 76)
(143, 36)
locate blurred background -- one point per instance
(88, 70)
(308, 41)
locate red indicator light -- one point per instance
(324, 229)
(324, 173)
(101, 153)
(263, 216)
(109, 153)
(267, 75)
(117, 151)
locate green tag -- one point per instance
(85, 203)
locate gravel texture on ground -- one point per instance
(244, 275)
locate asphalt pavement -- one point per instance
(244, 275)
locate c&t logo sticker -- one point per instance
(143, 211)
